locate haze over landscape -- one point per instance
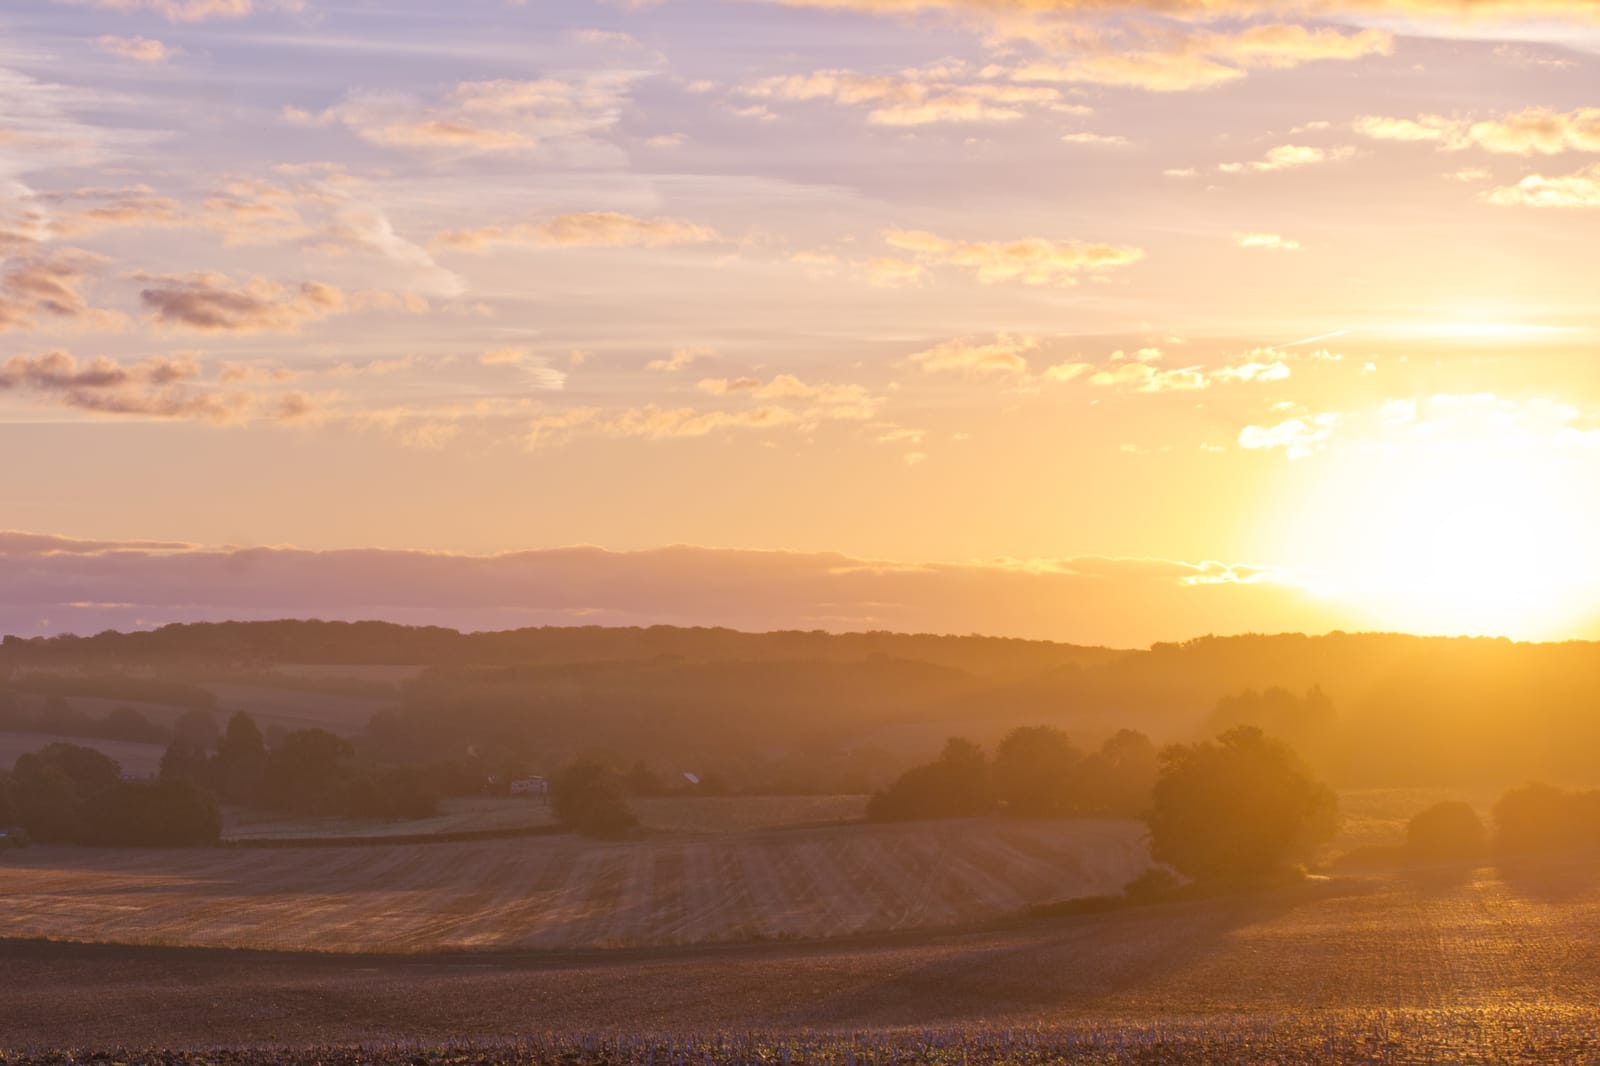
(1107, 322)
(799, 532)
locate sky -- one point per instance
(1109, 321)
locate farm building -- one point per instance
(530, 786)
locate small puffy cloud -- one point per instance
(1572, 191)
(594, 229)
(142, 49)
(158, 387)
(213, 303)
(38, 286)
(1101, 140)
(1069, 371)
(1030, 260)
(1272, 370)
(1288, 157)
(1534, 131)
(680, 359)
(1005, 355)
(1144, 377)
(1296, 437)
(1266, 241)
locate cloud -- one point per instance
(1089, 600)
(1288, 157)
(785, 402)
(190, 10)
(38, 286)
(535, 372)
(142, 49)
(1143, 377)
(594, 229)
(1031, 260)
(1574, 190)
(1296, 437)
(158, 387)
(1103, 140)
(1535, 131)
(1005, 355)
(1267, 241)
(1200, 61)
(680, 359)
(912, 98)
(1579, 11)
(481, 116)
(213, 303)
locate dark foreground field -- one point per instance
(1476, 969)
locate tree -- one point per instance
(168, 813)
(1118, 779)
(50, 787)
(241, 760)
(587, 798)
(956, 785)
(1236, 810)
(1034, 771)
(198, 727)
(1446, 832)
(1543, 818)
(309, 772)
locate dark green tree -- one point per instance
(587, 797)
(1237, 810)
(1035, 772)
(956, 785)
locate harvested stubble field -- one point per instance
(1480, 969)
(561, 892)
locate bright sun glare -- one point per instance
(1481, 529)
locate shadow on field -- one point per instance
(1550, 879)
(1198, 950)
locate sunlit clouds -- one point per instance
(1058, 305)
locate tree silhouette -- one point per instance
(1237, 809)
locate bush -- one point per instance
(587, 797)
(1446, 832)
(1237, 810)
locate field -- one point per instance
(491, 814)
(138, 759)
(562, 892)
(1475, 968)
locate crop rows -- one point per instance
(562, 892)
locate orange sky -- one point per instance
(1114, 321)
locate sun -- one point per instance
(1488, 529)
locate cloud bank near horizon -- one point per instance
(59, 585)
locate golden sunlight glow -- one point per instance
(1472, 518)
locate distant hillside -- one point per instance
(847, 710)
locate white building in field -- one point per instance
(530, 786)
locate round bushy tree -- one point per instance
(1238, 809)
(1446, 832)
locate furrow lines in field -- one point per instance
(669, 906)
(738, 909)
(776, 908)
(817, 912)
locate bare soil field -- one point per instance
(562, 892)
(139, 759)
(1470, 968)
